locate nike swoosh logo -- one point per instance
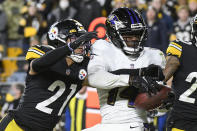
(133, 127)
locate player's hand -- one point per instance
(153, 71)
(144, 84)
(153, 85)
(82, 40)
(139, 82)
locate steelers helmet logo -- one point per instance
(82, 74)
(53, 32)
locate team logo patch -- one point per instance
(53, 33)
(82, 74)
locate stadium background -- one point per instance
(24, 23)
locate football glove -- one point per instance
(82, 40)
(153, 71)
(144, 84)
(140, 83)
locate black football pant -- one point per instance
(8, 124)
(175, 123)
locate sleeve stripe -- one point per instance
(174, 51)
(176, 44)
(178, 48)
(32, 55)
(35, 51)
(38, 50)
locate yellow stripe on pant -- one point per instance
(175, 129)
(12, 126)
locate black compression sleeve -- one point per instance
(133, 72)
(50, 58)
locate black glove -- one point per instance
(82, 40)
(153, 71)
(140, 83)
(153, 85)
(144, 84)
(168, 103)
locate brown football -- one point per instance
(146, 102)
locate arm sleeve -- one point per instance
(99, 77)
(105, 80)
(50, 58)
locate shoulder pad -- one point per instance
(37, 51)
(175, 48)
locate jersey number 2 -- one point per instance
(185, 96)
(42, 106)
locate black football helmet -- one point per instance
(194, 30)
(126, 21)
(61, 31)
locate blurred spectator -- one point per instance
(107, 7)
(157, 4)
(43, 39)
(182, 2)
(157, 31)
(3, 32)
(182, 28)
(31, 24)
(13, 97)
(63, 11)
(20, 75)
(142, 5)
(118, 3)
(192, 4)
(34, 41)
(1, 1)
(87, 10)
(12, 9)
(169, 7)
(45, 6)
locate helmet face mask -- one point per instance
(126, 22)
(65, 31)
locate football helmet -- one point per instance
(63, 30)
(126, 21)
(194, 30)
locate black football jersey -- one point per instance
(48, 93)
(185, 80)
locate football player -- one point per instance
(56, 73)
(108, 70)
(182, 65)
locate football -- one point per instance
(146, 102)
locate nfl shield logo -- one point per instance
(132, 66)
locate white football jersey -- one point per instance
(105, 58)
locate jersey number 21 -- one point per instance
(42, 106)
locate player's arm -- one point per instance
(100, 78)
(173, 52)
(53, 56)
(172, 65)
(49, 59)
